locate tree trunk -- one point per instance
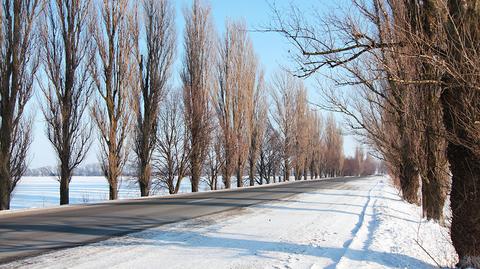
(312, 171)
(5, 146)
(409, 182)
(64, 190)
(227, 182)
(465, 195)
(171, 187)
(4, 192)
(239, 178)
(408, 171)
(298, 173)
(251, 174)
(460, 105)
(195, 177)
(179, 181)
(433, 198)
(144, 189)
(113, 187)
(287, 171)
(227, 173)
(144, 179)
(65, 178)
(5, 178)
(465, 202)
(434, 179)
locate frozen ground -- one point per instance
(38, 192)
(368, 227)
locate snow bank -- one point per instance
(362, 224)
(396, 236)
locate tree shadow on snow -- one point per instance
(259, 248)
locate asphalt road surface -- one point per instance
(30, 233)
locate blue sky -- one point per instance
(272, 50)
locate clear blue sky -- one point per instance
(272, 50)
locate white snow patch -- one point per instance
(43, 192)
(364, 224)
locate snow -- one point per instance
(364, 224)
(41, 192)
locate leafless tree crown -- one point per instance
(18, 65)
(155, 61)
(113, 76)
(67, 51)
(196, 77)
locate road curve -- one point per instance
(35, 232)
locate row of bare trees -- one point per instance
(415, 66)
(360, 164)
(105, 68)
(97, 58)
(225, 127)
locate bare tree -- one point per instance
(310, 142)
(172, 154)
(300, 149)
(258, 125)
(372, 62)
(112, 75)
(247, 83)
(269, 156)
(315, 144)
(436, 43)
(234, 97)
(333, 147)
(196, 83)
(214, 161)
(369, 166)
(225, 98)
(283, 115)
(353, 166)
(155, 55)
(67, 50)
(460, 101)
(18, 65)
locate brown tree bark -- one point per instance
(239, 174)
(464, 196)
(196, 173)
(144, 179)
(286, 174)
(461, 102)
(251, 173)
(65, 177)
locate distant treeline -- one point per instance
(91, 170)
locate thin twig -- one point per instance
(424, 250)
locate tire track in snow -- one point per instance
(357, 231)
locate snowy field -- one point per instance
(368, 227)
(39, 192)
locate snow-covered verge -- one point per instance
(362, 224)
(43, 192)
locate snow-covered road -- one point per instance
(367, 227)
